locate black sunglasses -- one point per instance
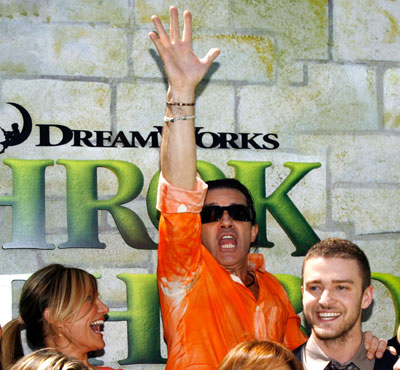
(238, 212)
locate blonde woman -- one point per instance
(260, 355)
(59, 308)
(47, 359)
(1, 333)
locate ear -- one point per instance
(254, 232)
(46, 315)
(367, 297)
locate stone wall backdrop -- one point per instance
(322, 75)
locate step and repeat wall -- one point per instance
(302, 106)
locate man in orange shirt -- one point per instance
(213, 293)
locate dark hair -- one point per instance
(341, 248)
(237, 185)
(62, 290)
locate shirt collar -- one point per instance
(256, 262)
(315, 358)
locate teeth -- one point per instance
(328, 315)
(97, 326)
(98, 322)
(227, 242)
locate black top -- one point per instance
(394, 343)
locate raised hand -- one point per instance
(183, 68)
(184, 71)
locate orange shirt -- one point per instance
(207, 311)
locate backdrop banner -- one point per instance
(302, 106)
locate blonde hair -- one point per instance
(62, 291)
(47, 359)
(1, 334)
(257, 355)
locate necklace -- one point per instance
(252, 280)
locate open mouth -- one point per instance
(97, 326)
(326, 316)
(227, 242)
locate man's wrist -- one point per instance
(181, 95)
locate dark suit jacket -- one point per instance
(394, 343)
(385, 363)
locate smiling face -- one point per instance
(228, 240)
(82, 333)
(333, 298)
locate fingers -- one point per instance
(371, 344)
(174, 24)
(156, 42)
(162, 34)
(187, 26)
(210, 56)
(368, 339)
(397, 365)
(392, 351)
(382, 345)
(375, 347)
(181, 64)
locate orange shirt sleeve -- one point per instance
(294, 337)
(171, 199)
(179, 249)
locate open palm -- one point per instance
(183, 68)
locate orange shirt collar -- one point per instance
(256, 262)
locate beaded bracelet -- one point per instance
(174, 119)
(181, 104)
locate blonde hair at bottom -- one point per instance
(257, 355)
(47, 359)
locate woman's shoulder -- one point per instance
(106, 368)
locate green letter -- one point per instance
(28, 202)
(143, 318)
(252, 175)
(209, 172)
(151, 200)
(82, 204)
(393, 284)
(292, 285)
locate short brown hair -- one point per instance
(255, 355)
(341, 248)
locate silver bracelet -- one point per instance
(174, 119)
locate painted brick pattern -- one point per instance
(59, 49)
(372, 33)
(324, 75)
(391, 83)
(335, 98)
